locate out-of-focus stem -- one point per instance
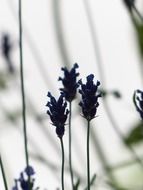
(3, 174)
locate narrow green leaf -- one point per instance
(135, 136)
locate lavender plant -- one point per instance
(58, 112)
(89, 104)
(69, 89)
(7, 48)
(23, 182)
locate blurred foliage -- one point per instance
(135, 136)
(139, 32)
(13, 116)
(114, 93)
(2, 81)
(76, 186)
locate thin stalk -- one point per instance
(70, 149)
(3, 174)
(22, 85)
(88, 156)
(63, 160)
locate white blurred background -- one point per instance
(57, 34)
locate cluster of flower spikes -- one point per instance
(90, 95)
(23, 181)
(138, 101)
(69, 82)
(58, 113)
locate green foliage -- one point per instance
(135, 136)
(139, 33)
(76, 186)
(139, 30)
(13, 116)
(2, 82)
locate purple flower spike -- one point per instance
(58, 113)
(69, 81)
(89, 102)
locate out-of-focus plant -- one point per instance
(135, 136)
(6, 49)
(26, 180)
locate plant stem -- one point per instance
(22, 84)
(88, 156)
(3, 174)
(63, 160)
(70, 141)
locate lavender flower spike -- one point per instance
(69, 82)
(58, 113)
(89, 102)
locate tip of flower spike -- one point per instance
(29, 170)
(76, 66)
(90, 77)
(49, 94)
(63, 68)
(60, 78)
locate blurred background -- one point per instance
(105, 39)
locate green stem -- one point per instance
(88, 156)
(22, 84)
(70, 141)
(63, 160)
(3, 174)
